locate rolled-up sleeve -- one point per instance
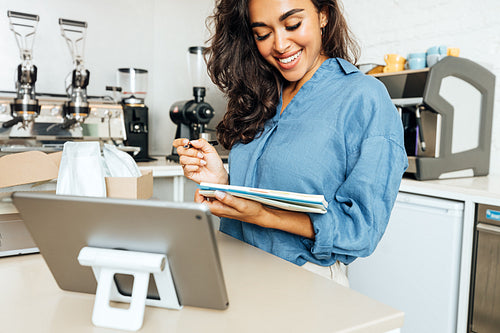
(360, 209)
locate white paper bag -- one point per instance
(81, 171)
(119, 163)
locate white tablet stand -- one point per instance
(106, 263)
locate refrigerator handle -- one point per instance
(488, 228)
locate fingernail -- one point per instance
(200, 155)
(220, 195)
(203, 162)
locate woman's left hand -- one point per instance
(227, 205)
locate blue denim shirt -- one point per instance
(342, 137)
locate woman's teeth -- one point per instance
(290, 59)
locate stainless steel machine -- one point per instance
(49, 130)
(24, 106)
(447, 113)
(34, 121)
(44, 122)
(484, 305)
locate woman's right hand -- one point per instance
(201, 162)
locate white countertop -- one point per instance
(266, 294)
(485, 190)
(162, 167)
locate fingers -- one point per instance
(198, 198)
(180, 142)
(197, 160)
(236, 204)
(190, 152)
(203, 145)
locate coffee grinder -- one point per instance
(76, 109)
(134, 84)
(25, 107)
(191, 117)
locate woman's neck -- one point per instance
(290, 89)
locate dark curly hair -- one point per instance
(250, 83)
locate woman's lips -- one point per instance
(289, 62)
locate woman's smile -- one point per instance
(289, 62)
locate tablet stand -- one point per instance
(106, 263)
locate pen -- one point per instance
(213, 143)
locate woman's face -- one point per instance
(288, 35)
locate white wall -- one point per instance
(155, 35)
(118, 35)
(178, 25)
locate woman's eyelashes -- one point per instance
(259, 38)
(290, 28)
(293, 27)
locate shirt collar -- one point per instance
(346, 66)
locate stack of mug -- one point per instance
(419, 60)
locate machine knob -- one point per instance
(206, 113)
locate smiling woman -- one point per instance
(290, 41)
(300, 118)
(244, 35)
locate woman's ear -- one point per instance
(323, 17)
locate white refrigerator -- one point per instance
(415, 267)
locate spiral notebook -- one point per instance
(299, 202)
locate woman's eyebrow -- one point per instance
(281, 18)
(290, 13)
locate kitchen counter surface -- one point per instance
(162, 167)
(266, 293)
(476, 189)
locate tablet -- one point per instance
(62, 225)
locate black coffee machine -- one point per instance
(192, 117)
(133, 84)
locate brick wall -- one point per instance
(404, 26)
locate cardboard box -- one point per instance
(28, 167)
(35, 167)
(130, 187)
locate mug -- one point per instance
(453, 51)
(433, 50)
(417, 63)
(417, 55)
(432, 59)
(441, 49)
(395, 63)
(417, 60)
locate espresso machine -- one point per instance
(24, 107)
(447, 113)
(133, 83)
(192, 116)
(45, 121)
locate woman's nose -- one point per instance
(281, 42)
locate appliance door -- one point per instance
(415, 268)
(14, 237)
(486, 301)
